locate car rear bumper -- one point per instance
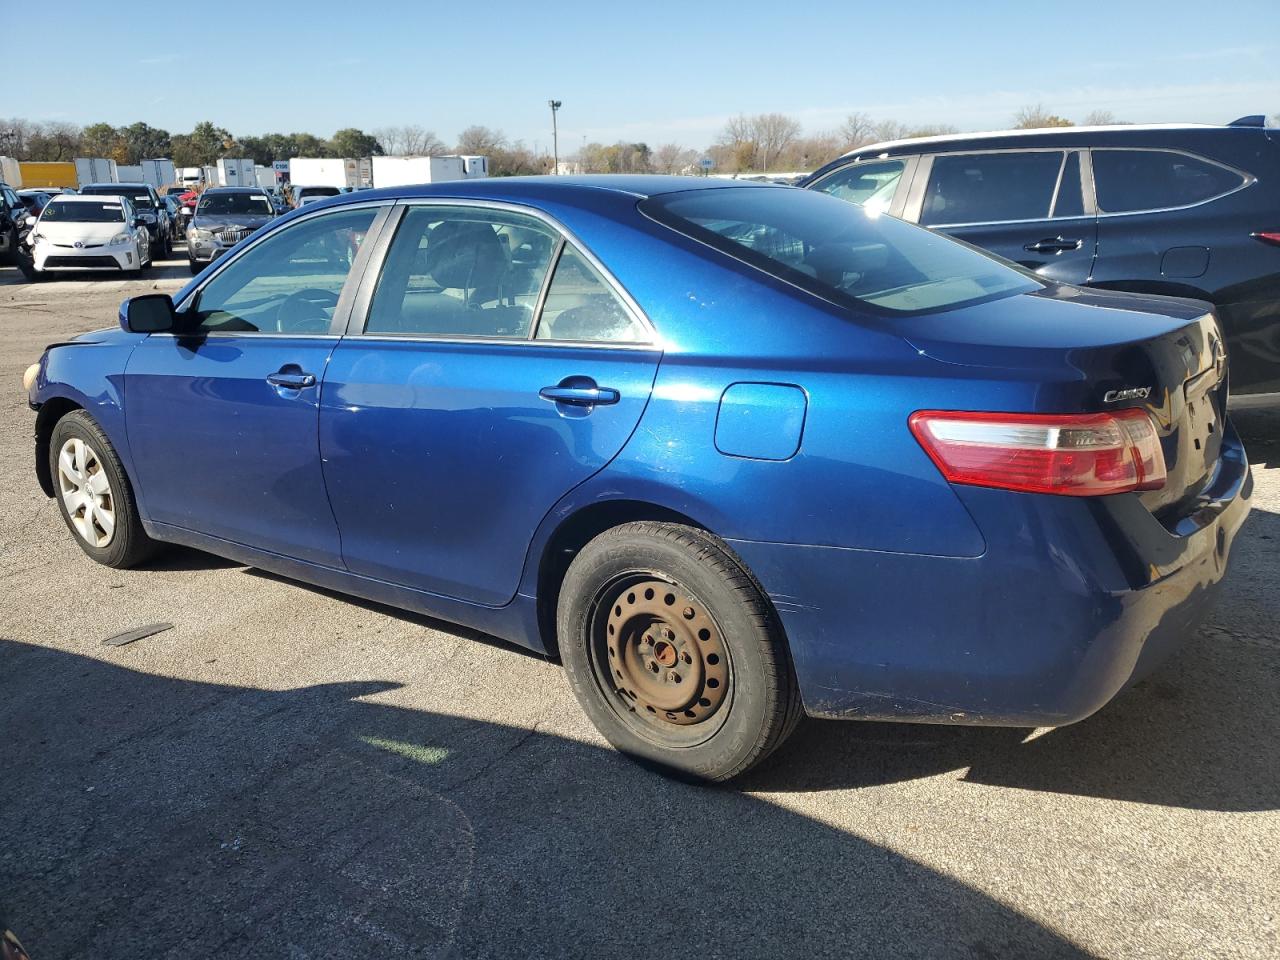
(1072, 601)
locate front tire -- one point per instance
(674, 652)
(94, 495)
(195, 265)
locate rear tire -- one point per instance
(94, 495)
(675, 653)
(195, 266)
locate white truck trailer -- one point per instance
(10, 173)
(399, 171)
(159, 172)
(95, 170)
(322, 172)
(475, 167)
(236, 172)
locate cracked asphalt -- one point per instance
(290, 773)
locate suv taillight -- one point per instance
(1078, 455)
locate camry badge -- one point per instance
(1128, 393)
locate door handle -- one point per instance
(583, 396)
(1053, 245)
(292, 381)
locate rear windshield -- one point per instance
(243, 204)
(140, 196)
(318, 191)
(839, 251)
(80, 211)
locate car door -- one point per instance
(1028, 206)
(492, 365)
(222, 417)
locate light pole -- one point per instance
(555, 136)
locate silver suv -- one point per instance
(224, 216)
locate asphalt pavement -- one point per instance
(290, 773)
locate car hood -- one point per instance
(84, 232)
(209, 221)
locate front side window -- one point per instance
(1130, 180)
(839, 251)
(870, 184)
(991, 187)
(462, 272)
(288, 283)
(581, 305)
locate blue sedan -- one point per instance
(733, 452)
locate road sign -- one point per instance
(706, 163)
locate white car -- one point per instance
(90, 233)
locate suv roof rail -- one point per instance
(1253, 120)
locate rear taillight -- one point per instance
(1078, 455)
(1268, 236)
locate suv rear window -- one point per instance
(1132, 180)
(839, 251)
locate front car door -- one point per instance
(222, 416)
(1028, 206)
(492, 365)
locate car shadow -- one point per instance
(1198, 733)
(158, 817)
(1260, 430)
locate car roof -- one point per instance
(82, 198)
(103, 186)
(1046, 136)
(575, 188)
(234, 190)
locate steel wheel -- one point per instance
(661, 658)
(86, 492)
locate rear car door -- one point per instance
(222, 418)
(1028, 206)
(492, 365)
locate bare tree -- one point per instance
(858, 130)
(809, 153)
(775, 132)
(421, 142)
(481, 141)
(673, 158)
(1036, 116)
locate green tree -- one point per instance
(351, 142)
(142, 142)
(102, 140)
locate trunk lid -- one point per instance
(1101, 351)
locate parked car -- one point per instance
(35, 200)
(734, 452)
(90, 232)
(1187, 211)
(153, 213)
(224, 217)
(10, 948)
(305, 194)
(173, 206)
(12, 212)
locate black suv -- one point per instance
(151, 211)
(1186, 211)
(12, 212)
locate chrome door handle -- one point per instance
(292, 381)
(1053, 245)
(580, 396)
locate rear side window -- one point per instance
(844, 253)
(991, 187)
(1132, 180)
(580, 305)
(870, 184)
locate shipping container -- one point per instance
(95, 170)
(236, 172)
(399, 171)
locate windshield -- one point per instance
(841, 252)
(79, 211)
(139, 195)
(242, 204)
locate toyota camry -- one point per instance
(733, 453)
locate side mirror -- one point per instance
(151, 313)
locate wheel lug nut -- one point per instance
(673, 677)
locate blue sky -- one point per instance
(653, 72)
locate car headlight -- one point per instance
(195, 233)
(120, 238)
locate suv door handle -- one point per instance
(292, 381)
(583, 396)
(1053, 245)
